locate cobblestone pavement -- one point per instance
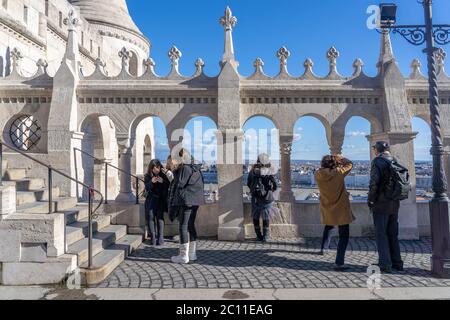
(276, 265)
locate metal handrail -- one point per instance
(90, 189)
(137, 179)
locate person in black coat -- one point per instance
(261, 176)
(186, 194)
(385, 210)
(156, 186)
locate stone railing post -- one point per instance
(125, 153)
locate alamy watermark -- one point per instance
(374, 19)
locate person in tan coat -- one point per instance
(335, 209)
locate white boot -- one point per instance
(183, 258)
(193, 251)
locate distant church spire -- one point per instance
(228, 21)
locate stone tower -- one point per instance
(111, 19)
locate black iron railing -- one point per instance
(107, 164)
(51, 170)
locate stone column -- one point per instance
(402, 148)
(286, 193)
(125, 154)
(230, 176)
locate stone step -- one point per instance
(106, 261)
(15, 174)
(75, 214)
(52, 271)
(24, 197)
(101, 240)
(41, 207)
(79, 230)
(29, 184)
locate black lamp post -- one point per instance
(430, 34)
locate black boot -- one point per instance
(266, 234)
(259, 236)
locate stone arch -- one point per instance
(357, 137)
(326, 124)
(199, 138)
(260, 141)
(99, 140)
(144, 136)
(245, 118)
(299, 136)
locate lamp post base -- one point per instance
(440, 233)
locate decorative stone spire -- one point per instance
(42, 67)
(415, 70)
(332, 56)
(175, 56)
(125, 55)
(150, 69)
(386, 52)
(358, 65)
(72, 52)
(283, 55)
(16, 56)
(440, 55)
(259, 65)
(199, 64)
(228, 21)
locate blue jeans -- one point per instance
(344, 236)
(386, 234)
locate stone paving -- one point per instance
(275, 265)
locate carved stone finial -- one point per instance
(228, 21)
(149, 63)
(332, 55)
(125, 55)
(259, 65)
(16, 56)
(199, 64)
(308, 64)
(99, 63)
(42, 66)
(415, 69)
(72, 21)
(175, 55)
(440, 56)
(283, 54)
(358, 65)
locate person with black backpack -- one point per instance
(389, 184)
(262, 185)
(186, 194)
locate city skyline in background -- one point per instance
(257, 36)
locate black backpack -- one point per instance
(398, 185)
(260, 187)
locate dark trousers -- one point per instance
(154, 212)
(386, 234)
(187, 224)
(344, 236)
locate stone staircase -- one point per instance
(111, 244)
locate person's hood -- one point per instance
(187, 159)
(325, 174)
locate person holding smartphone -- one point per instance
(157, 189)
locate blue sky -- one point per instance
(307, 28)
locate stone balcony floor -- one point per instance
(276, 265)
